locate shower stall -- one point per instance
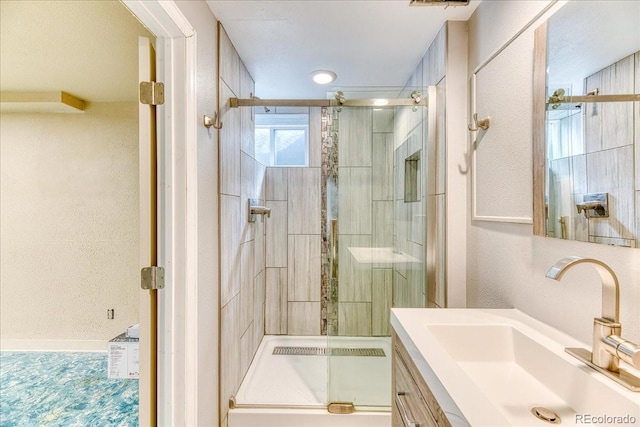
(375, 250)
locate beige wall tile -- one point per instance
(400, 290)
(579, 173)
(230, 354)
(304, 201)
(579, 224)
(276, 235)
(382, 224)
(276, 301)
(304, 318)
(229, 64)
(315, 136)
(246, 351)
(260, 253)
(277, 183)
(304, 267)
(259, 297)
(354, 200)
(355, 137)
(416, 286)
(260, 180)
(230, 241)
(610, 124)
(247, 284)
(441, 223)
(383, 121)
(354, 278)
(382, 179)
(431, 255)
(246, 114)
(247, 191)
(610, 172)
(354, 319)
(381, 299)
(418, 220)
(434, 60)
(441, 137)
(229, 145)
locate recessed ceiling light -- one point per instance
(323, 77)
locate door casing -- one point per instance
(177, 358)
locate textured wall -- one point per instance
(506, 264)
(69, 224)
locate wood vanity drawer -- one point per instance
(416, 399)
(410, 405)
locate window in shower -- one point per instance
(282, 139)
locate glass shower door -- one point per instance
(374, 184)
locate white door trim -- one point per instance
(177, 213)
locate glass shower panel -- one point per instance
(374, 178)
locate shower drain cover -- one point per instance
(322, 351)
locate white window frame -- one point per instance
(272, 143)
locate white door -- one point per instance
(148, 240)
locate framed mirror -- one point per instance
(586, 125)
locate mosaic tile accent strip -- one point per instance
(63, 389)
(329, 207)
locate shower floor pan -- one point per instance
(290, 387)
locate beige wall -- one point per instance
(69, 224)
(506, 264)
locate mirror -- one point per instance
(587, 123)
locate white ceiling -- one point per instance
(586, 36)
(366, 43)
(86, 48)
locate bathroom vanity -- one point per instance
(496, 367)
(413, 401)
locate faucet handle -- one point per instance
(623, 349)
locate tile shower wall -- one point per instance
(413, 287)
(293, 242)
(600, 162)
(365, 220)
(242, 252)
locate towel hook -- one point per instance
(479, 124)
(209, 122)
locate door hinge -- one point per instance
(152, 93)
(152, 278)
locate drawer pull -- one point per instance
(403, 411)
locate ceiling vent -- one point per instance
(438, 2)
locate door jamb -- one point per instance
(177, 212)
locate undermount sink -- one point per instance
(493, 367)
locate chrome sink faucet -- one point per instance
(608, 345)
